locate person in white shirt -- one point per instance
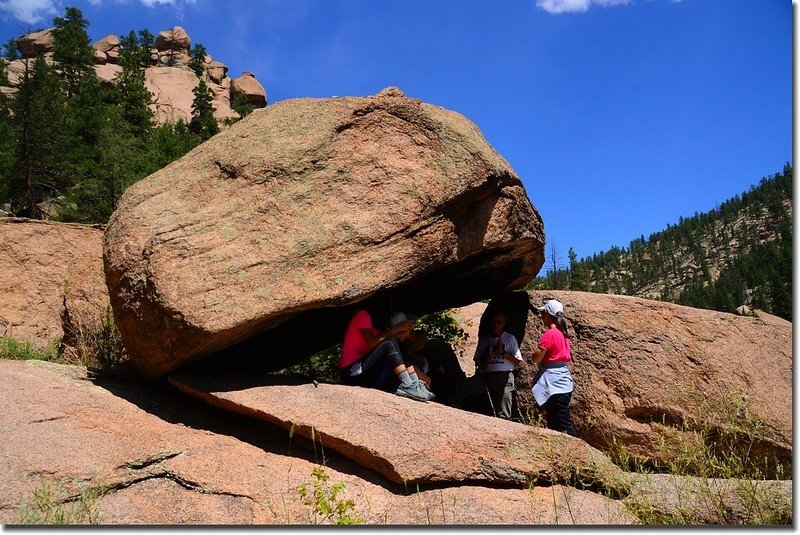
(496, 358)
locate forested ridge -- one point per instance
(69, 145)
(739, 253)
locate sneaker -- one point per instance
(412, 391)
(424, 388)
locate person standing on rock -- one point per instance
(552, 384)
(496, 358)
(371, 357)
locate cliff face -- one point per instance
(168, 75)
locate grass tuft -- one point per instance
(53, 504)
(11, 348)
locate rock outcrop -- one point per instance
(249, 89)
(36, 43)
(174, 39)
(106, 49)
(15, 70)
(469, 318)
(287, 220)
(156, 457)
(169, 86)
(49, 269)
(167, 76)
(650, 374)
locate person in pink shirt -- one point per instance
(552, 384)
(371, 356)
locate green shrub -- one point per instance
(321, 366)
(442, 326)
(11, 348)
(325, 502)
(95, 342)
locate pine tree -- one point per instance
(240, 105)
(39, 120)
(147, 42)
(197, 61)
(168, 142)
(132, 94)
(8, 140)
(579, 274)
(203, 123)
(71, 48)
(120, 163)
(10, 50)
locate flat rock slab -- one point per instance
(405, 440)
(159, 457)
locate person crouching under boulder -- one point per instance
(371, 357)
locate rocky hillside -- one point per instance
(738, 254)
(168, 75)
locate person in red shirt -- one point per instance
(552, 384)
(371, 356)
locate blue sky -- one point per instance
(620, 116)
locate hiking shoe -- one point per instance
(412, 391)
(424, 389)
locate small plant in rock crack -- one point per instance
(93, 342)
(53, 504)
(325, 502)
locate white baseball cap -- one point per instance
(552, 307)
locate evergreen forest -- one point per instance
(739, 253)
(69, 146)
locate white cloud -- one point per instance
(28, 11)
(151, 3)
(576, 6)
(34, 11)
(563, 6)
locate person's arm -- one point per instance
(512, 351)
(541, 349)
(375, 339)
(539, 354)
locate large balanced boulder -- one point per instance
(655, 377)
(272, 231)
(50, 273)
(173, 39)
